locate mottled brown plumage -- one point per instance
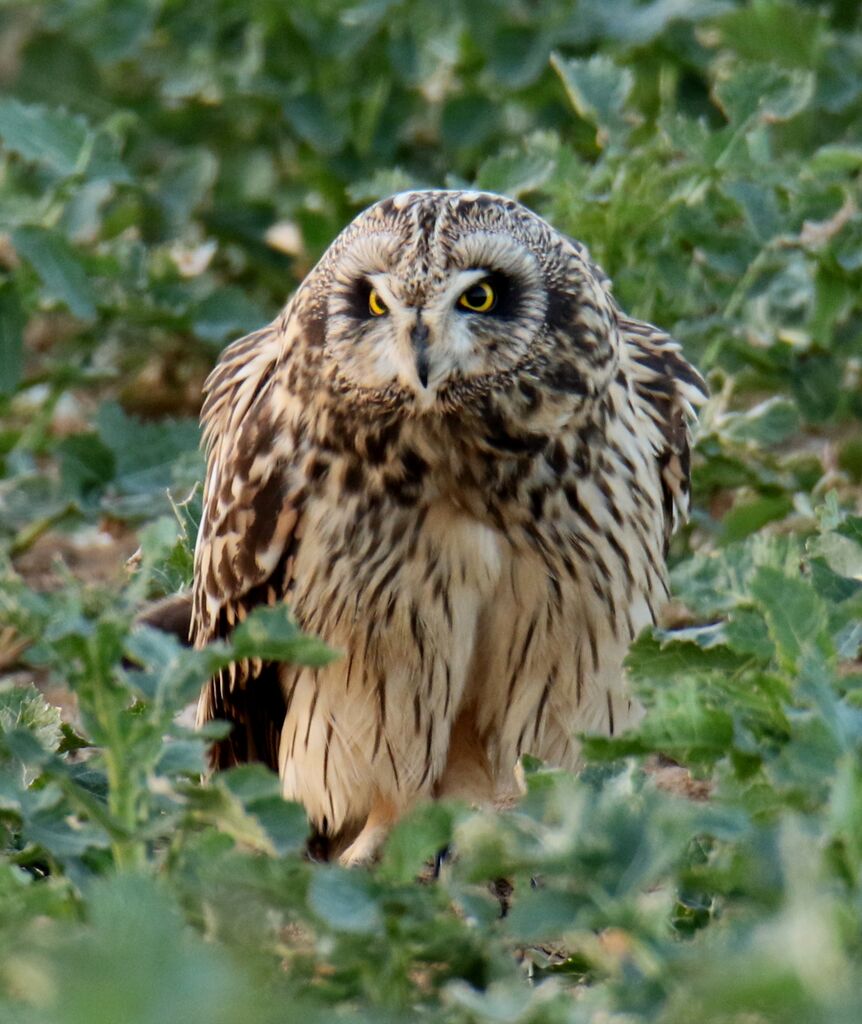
(473, 506)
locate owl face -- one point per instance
(433, 298)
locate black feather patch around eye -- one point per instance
(357, 297)
(506, 295)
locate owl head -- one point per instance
(428, 300)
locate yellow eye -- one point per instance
(479, 298)
(376, 305)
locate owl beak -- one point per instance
(419, 341)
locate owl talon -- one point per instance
(365, 847)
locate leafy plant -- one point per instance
(168, 173)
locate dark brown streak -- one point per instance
(578, 673)
(392, 762)
(522, 660)
(417, 711)
(543, 701)
(594, 647)
(429, 740)
(311, 714)
(326, 752)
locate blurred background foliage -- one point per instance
(168, 174)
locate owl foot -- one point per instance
(366, 845)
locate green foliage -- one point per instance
(168, 173)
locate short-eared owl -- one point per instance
(459, 463)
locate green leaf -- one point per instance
(748, 633)
(795, 614)
(185, 181)
(468, 121)
(851, 528)
(841, 549)
(541, 912)
(12, 322)
(769, 422)
(23, 707)
(768, 93)
(315, 123)
(259, 790)
(416, 839)
(86, 465)
(145, 453)
(343, 899)
(271, 634)
(136, 961)
(835, 159)
(665, 656)
(227, 313)
(51, 137)
(57, 264)
(749, 516)
(516, 173)
(772, 30)
(56, 831)
(599, 90)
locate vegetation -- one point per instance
(168, 173)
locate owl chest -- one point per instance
(380, 572)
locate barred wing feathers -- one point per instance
(243, 556)
(668, 390)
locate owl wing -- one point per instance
(247, 536)
(667, 391)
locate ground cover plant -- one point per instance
(168, 173)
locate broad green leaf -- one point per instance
(344, 900)
(145, 453)
(415, 840)
(851, 528)
(760, 206)
(748, 633)
(795, 614)
(841, 549)
(23, 707)
(774, 31)
(599, 91)
(57, 264)
(226, 314)
(259, 790)
(56, 831)
(186, 179)
(541, 912)
(271, 634)
(87, 465)
(770, 422)
(315, 122)
(745, 632)
(836, 159)
(468, 121)
(768, 93)
(749, 516)
(515, 174)
(55, 138)
(134, 960)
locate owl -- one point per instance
(459, 463)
